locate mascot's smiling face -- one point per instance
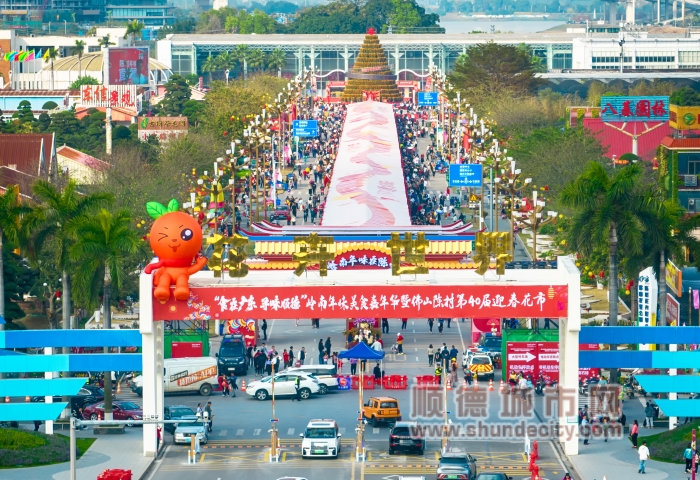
(174, 235)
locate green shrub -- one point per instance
(13, 439)
(50, 105)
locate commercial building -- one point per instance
(572, 55)
(152, 13)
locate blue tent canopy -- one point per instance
(361, 352)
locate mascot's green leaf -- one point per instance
(173, 206)
(156, 210)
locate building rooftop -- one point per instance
(23, 150)
(92, 62)
(10, 176)
(681, 143)
(82, 158)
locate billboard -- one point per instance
(465, 175)
(684, 118)
(673, 309)
(114, 96)
(634, 109)
(535, 358)
(647, 293)
(674, 278)
(165, 128)
(128, 66)
(428, 99)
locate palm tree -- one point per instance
(256, 59)
(241, 53)
(79, 49)
(606, 213)
(133, 30)
(11, 212)
(103, 243)
(104, 42)
(276, 60)
(210, 65)
(56, 218)
(49, 57)
(225, 61)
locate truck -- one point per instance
(185, 375)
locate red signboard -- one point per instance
(522, 357)
(128, 66)
(344, 301)
(186, 349)
(672, 310)
(533, 358)
(360, 259)
(548, 359)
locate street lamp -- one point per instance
(534, 220)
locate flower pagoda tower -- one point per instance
(370, 78)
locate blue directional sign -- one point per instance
(466, 175)
(305, 128)
(427, 99)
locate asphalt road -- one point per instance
(239, 441)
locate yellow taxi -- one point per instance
(481, 365)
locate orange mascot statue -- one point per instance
(176, 238)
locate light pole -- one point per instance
(534, 220)
(215, 188)
(513, 184)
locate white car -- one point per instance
(327, 376)
(320, 439)
(284, 386)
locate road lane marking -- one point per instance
(375, 431)
(201, 459)
(222, 433)
(256, 431)
(239, 432)
(290, 431)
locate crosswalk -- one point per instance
(291, 432)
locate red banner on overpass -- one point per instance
(402, 301)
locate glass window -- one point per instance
(388, 405)
(693, 167)
(320, 433)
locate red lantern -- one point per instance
(58, 294)
(602, 274)
(225, 134)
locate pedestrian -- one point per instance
(430, 324)
(468, 376)
(585, 429)
(438, 373)
(268, 365)
(220, 381)
(634, 433)
(321, 351)
(431, 353)
(200, 410)
(404, 321)
(264, 329)
(440, 324)
(297, 388)
(377, 373)
(567, 477)
(285, 358)
(385, 325)
(291, 356)
(232, 385)
(208, 412)
(687, 455)
(643, 457)
(249, 356)
(302, 356)
(399, 343)
(328, 346)
(353, 366)
(448, 322)
(37, 424)
(224, 387)
(649, 416)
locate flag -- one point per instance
(46, 55)
(6, 57)
(39, 54)
(696, 299)
(22, 56)
(30, 56)
(16, 56)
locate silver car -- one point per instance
(185, 430)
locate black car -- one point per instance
(406, 436)
(231, 356)
(87, 395)
(493, 476)
(456, 465)
(177, 412)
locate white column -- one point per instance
(149, 356)
(48, 398)
(568, 358)
(673, 421)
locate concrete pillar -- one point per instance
(629, 11)
(568, 358)
(346, 57)
(397, 56)
(152, 346)
(550, 56)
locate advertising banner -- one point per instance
(684, 118)
(164, 128)
(466, 175)
(522, 357)
(241, 326)
(195, 377)
(359, 260)
(674, 278)
(114, 96)
(186, 349)
(341, 301)
(428, 99)
(634, 109)
(542, 357)
(128, 66)
(672, 310)
(647, 294)
(548, 359)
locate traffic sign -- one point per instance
(465, 175)
(305, 128)
(428, 99)
(473, 198)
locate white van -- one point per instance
(327, 376)
(185, 375)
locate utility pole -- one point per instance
(107, 326)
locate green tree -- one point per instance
(79, 50)
(85, 80)
(105, 41)
(276, 61)
(24, 113)
(225, 61)
(241, 54)
(405, 18)
(55, 218)
(49, 57)
(185, 25)
(11, 212)
(256, 59)
(497, 69)
(104, 241)
(685, 97)
(177, 93)
(19, 279)
(133, 30)
(607, 211)
(210, 66)
(193, 110)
